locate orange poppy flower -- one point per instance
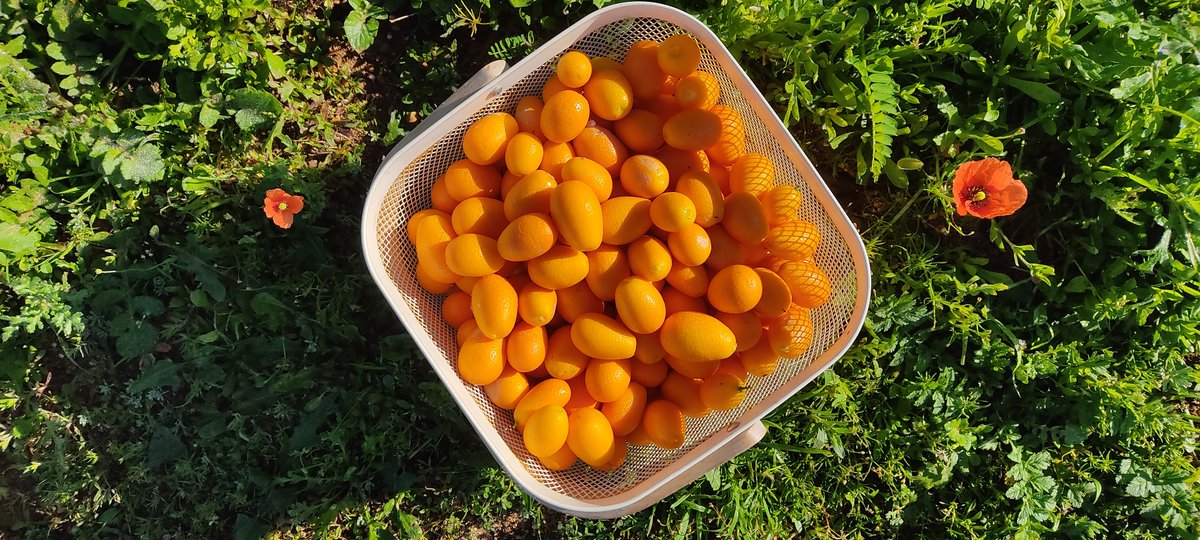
(986, 188)
(281, 206)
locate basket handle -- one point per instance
(693, 472)
(481, 78)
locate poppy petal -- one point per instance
(295, 203)
(270, 208)
(283, 220)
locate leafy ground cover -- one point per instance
(172, 364)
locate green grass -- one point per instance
(173, 364)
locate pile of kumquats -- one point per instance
(615, 261)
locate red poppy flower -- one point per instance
(986, 188)
(281, 206)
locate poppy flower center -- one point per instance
(977, 195)
(282, 206)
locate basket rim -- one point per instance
(408, 150)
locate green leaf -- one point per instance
(165, 447)
(16, 240)
(137, 340)
(1034, 89)
(143, 165)
(163, 373)
(209, 116)
(255, 109)
(248, 528)
(147, 305)
(360, 30)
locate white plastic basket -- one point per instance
(402, 186)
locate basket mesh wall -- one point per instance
(409, 193)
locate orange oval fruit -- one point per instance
(580, 397)
(678, 302)
(640, 130)
(689, 280)
(531, 194)
(487, 138)
(564, 116)
(699, 90)
(747, 328)
(678, 55)
(679, 162)
(536, 304)
(692, 129)
(620, 453)
(590, 173)
(552, 87)
(640, 305)
(649, 349)
(473, 255)
(607, 379)
(456, 309)
(672, 211)
(644, 176)
(609, 94)
(525, 347)
(700, 187)
(546, 431)
(481, 359)
(625, 219)
(731, 145)
(776, 295)
(465, 331)
(809, 285)
(529, 114)
(494, 305)
(465, 179)
(745, 218)
(602, 146)
(427, 282)
(752, 173)
(508, 389)
(479, 215)
(559, 268)
(527, 237)
(577, 212)
(607, 267)
(684, 392)
(690, 245)
(649, 375)
(601, 337)
(440, 198)
(697, 337)
(574, 69)
(795, 240)
(563, 359)
(576, 300)
(726, 250)
(561, 460)
(550, 392)
(625, 413)
(760, 359)
(791, 334)
(642, 69)
(782, 204)
(434, 234)
(735, 289)
(415, 220)
(663, 423)
(722, 391)
(649, 258)
(523, 154)
(555, 155)
(590, 436)
(692, 370)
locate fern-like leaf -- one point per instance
(882, 102)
